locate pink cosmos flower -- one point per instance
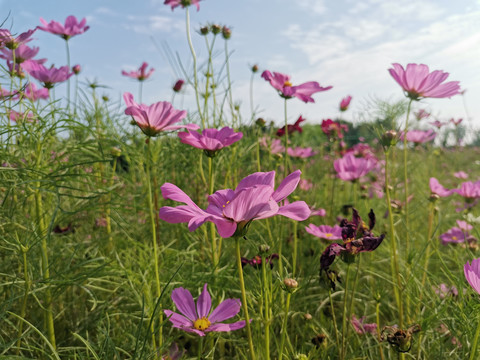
(351, 168)
(178, 85)
(472, 274)
(417, 81)
(11, 42)
(200, 319)
(325, 232)
(301, 152)
(50, 76)
(5, 94)
(421, 114)
(32, 93)
(174, 353)
(139, 74)
(282, 83)
(318, 212)
(71, 28)
(273, 145)
(332, 128)
(362, 328)
(463, 225)
(19, 117)
(443, 291)
(157, 117)
(182, 3)
(419, 136)
(456, 122)
(437, 124)
(210, 140)
(345, 103)
(22, 53)
(232, 211)
(454, 235)
(438, 189)
(461, 175)
(469, 190)
(305, 185)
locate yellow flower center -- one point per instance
(201, 324)
(226, 203)
(328, 235)
(454, 238)
(287, 83)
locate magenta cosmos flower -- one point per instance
(325, 232)
(32, 93)
(182, 3)
(71, 28)
(12, 42)
(345, 103)
(453, 235)
(157, 117)
(351, 168)
(282, 83)
(361, 327)
(273, 145)
(419, 136)
(210, 140)
(469, 190)
(200, 319)
(141, 74)
(301, 152)
(417, 81)
(177, 87)
(49, 76)
(232, 211)
(472, 273)
(460, 175)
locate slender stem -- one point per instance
(252, 109)
(140, 91)
(332, 309)
(154, 232)
(68, 80)
(344, 318)
(108, 209)
(295, 247)
(286, 139)
(284, 325)
(244, 298)
(200, 348)
(394, 258)
(377, 311)
(266, 300)
(405, 178)
(352, 295)
(23, 309)
(195, 75)
(475, 341)
(230, 96)
(428, 251)
(211, 186)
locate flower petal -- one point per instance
(227, 327)
(226, 310)
(183, 300)
(204, 303)
(288, 185)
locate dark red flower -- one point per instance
(291, 128)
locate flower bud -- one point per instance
(76, 69)
(290, 283)
(204, 30)
(226, 33)
(115, 151)
(389, 138)
(264, 249)
(254, 68)
(215, 29)
(178, 85)
(307, 316)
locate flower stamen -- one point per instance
(201, 324)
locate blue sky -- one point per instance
(348, 44)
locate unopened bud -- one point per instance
(204, 30)
(290, 283)
(389, 138)
(76, 69)
(255, 68)
(115, 151)
(264, 249)
(307, 316)
(215, 29)
(226, 33)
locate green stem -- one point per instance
(475, 341)
(286, 139)
(295, 247)
(377, 311)
(344, 318)
(230, 96)
(284, 325)
(140, 91)
(332, 309)
(405, 178)
(266, 300)
(428, 251)
(195, 75)
(251, 98)
(211, 186)
(154, 233)
(108, 209)
(394, 257)
(68, 80)
(244, 298)
(23, 309)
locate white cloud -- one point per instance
(315, 6)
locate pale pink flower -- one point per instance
(361, 327)
(453, 235)
(305, 185)
(32, 93)
(456, 122)
(174, 353)
(461, 175)
(443, 291)
(273, 145)
(200, 319)
(351, 168)
(13, 42)
(438, 189)
(345, 103)
(437, 124)
(282, 83)
(22, 53)
(417, 81)
(421, 114)
(19, 117)
(71, 28)
(318, 212)
(463, 225)
(325, 232)
(49, 76)
(419, 136)
(301, 152)
(141, 74)
(210, 140)
(472, 274)
(157, 117)
(469, 190)
(182, 3)
(232, 211)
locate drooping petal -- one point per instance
(178, 320)
(225, 310)
(183, 300)
(204, 303)
(258, 178)
(227, 327)
(297, 210)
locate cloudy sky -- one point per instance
(348, 44)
